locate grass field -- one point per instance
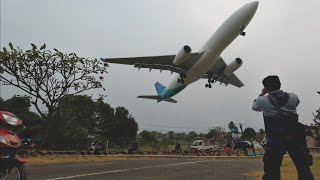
(288, 170)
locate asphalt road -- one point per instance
(147, 169)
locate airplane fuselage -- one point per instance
(212, 49)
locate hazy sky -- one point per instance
(283, 39)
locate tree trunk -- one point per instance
(45, 130)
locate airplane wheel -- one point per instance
(243, 33)
(179, 80)
(207, 85)
(210, 86)
(182, 81)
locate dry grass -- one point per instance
(64, 159)
(288, 170)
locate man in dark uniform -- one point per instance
(272, 102)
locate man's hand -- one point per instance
(263, 92)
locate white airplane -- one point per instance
(206, 63)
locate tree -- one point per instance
(181, 135)
(171, 134)
(1, 103)
(48, 76)
(148, 137)
(121, 128)
(212, 133)
(192, 134)
(74, 121)
(78, 116)
(202, 135)
(249, 134)
(157, 135)
(127, 124)
(215, 134)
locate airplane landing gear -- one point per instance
(209, 83)
(180, 80)
(182, 77)
(242, 33)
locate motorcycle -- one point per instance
(11, 165)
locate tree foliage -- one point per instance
(192, 135)
(79, 116)
(215, 133)
(148, 137)
(249, 134)
(48, 76)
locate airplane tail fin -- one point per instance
(159, 87)
(155, 97)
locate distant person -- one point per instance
(178, 148)
(253, 148)
(281, 118)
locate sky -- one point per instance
(282, 39)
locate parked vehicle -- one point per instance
(246, 144)
(11, 165)
(199, 145)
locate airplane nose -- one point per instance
(254, 5)
(251, 8)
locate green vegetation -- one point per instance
(75, 119)
(79, 121)
(46, 77)
(249, 134)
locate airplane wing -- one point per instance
(165, 63)
(216, 73)
(156, 62)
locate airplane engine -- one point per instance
(182, 55)
(233, 66)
